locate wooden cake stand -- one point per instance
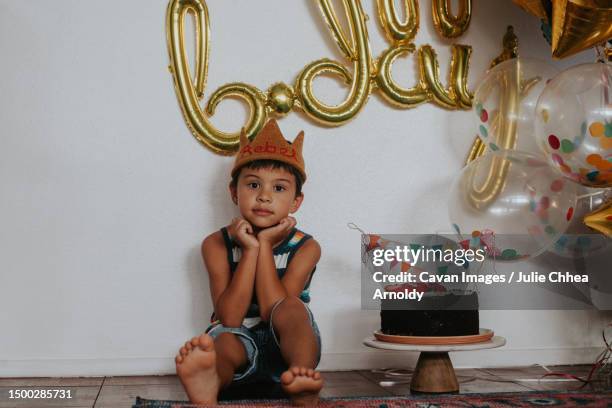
(434, 372)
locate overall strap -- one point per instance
(230, 248)
(288, 250)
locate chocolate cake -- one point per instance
(437, 314)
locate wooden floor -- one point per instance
(119, 392)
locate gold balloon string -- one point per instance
(603, 57)
(354, 226)
(605, 79)
(606, 87)
(602, 52)
(591, 196)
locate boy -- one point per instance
(259, 268)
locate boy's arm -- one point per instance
(231, 296)
(270, 289)
(301, 266)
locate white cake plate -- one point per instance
(434, 372)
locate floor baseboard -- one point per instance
(504, 357)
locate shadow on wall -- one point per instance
(217, 203)
(361, 324)
(598, 290)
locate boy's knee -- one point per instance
(288, 310)
(229, 346)
(226, 337)
(231, 324)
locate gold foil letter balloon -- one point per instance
(396, 31)
(399, 34)
(457, 94)
(429, 86)
(357, 51)
(393, 93)
(447, 24)
(189, 90)
(366, 74)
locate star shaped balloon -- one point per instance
(601, 219)
(576, 24)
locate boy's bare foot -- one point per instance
(196, 368)
(303, 385)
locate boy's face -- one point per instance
(265, 196)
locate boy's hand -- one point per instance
(275, 234)
(242, 232)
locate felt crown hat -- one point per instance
(270, 144)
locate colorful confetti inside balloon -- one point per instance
(553, 141)
(484, 116)
(574, 123)
(498, 118)
(526, 209)
(483, 131)
(579, 240)
(556, 185)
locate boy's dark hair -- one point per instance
(274, 164)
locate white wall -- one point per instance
(106, 196)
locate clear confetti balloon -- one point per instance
(512, 204)
(580, 241)
(505, 104)
(574, 123)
